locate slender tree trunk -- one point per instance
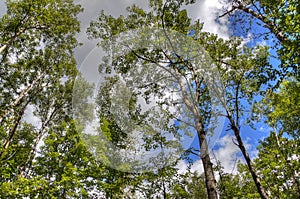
(210, 180)
(252, 170)
(235, 128)
(164, 190)
(2, 48)
(13, 130)
(32, 153)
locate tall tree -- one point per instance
(243, 70)
(38, 55)
(37, 75)
(277, 21)
(164, 16)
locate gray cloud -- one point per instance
(2, 8)
(92, 9)
(205, 10)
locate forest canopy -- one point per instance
(164, 93)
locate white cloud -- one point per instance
(30, 118)
(208, 11)
(227, 153)
(196, 166)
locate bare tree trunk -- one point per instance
(252, 170)
(191, 104)
(2, 48)
(234, 125)
(240, 144)
(31, 155)
(210, 180)
(41, 133)
(164, 190)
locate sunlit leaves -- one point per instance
(284, 108)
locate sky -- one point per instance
(2, 8)
(205, 10)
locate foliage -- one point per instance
(283, 108)
(278, 162)
(237, 185)
(170, 66)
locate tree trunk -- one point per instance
(255, 177)
(210, 180)
(12, 131)
(2, 48)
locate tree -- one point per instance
(282, 108)
(237, 185)
(276, 21)
(246, 84)
(37, 76)
(278, 153)
(278, 163)
(165, 16)
(38, 46)
(243, 70)
(279, 20)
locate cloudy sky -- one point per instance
(205, 10)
